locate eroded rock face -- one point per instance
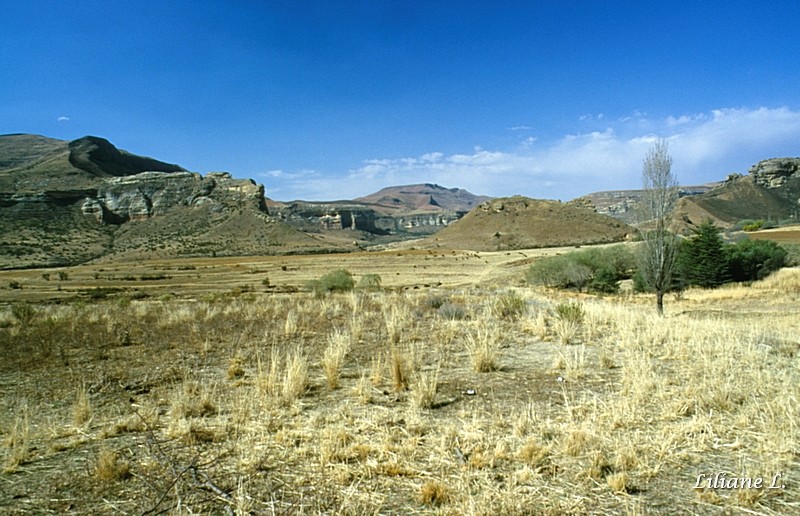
(774, 173)
(149, 194)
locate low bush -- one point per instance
(598, 269)
(370, 282)
(452, 312)
(340, 280)
(509, 306)
(751, 260)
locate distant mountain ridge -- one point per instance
(406, 211)
(63, 203)
(423, 197)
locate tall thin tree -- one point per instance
(659, 199)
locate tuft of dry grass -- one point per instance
(400, 368)
(235, 367)
(483, 346)
(433, 492)
(17, 442)
(618, 482)
(334, 355)
(81, 407)
(295, 377)
(424, 387)
(110, 467)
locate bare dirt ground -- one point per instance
(188, 386)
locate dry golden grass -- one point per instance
(333, 358)
(214, 404)
(110, 467)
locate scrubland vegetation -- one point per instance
(490, 398)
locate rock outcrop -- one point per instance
(775, 172)
(316, 216)
(149, 194)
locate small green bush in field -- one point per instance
(24, 313)
(570, 311)
(340, 280)
(598, 269)
(509, 306)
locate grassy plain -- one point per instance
(188, 386)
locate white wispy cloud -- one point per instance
(62, 119)
(705, 147)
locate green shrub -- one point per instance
(792, 255)
(753, 226)
(751, 260)
(598, 268)
(605, 281)
(570, 311)
(509, 306)
(23, 313)
(434, 301)
(14, 285)
(63, 276)
(340, 280)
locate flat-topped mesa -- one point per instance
(775, 172)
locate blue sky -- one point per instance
(336, 99)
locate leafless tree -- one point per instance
(659, 199)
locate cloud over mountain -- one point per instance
(605, 154)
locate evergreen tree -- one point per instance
(703, 260)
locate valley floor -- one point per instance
(191, 386)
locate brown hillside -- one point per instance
(423, 197)
(522, 223)
(737, 199)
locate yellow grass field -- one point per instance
(194, 386)
(783, 235)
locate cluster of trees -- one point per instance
(703, 260)
(663, 262)
(706, 261)
(597, 269)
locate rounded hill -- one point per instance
(523, 223)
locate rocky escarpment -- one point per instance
(69, 202)
(771, 191)
(149, 194)
(314, 217)
(622, 204)
(775, 172)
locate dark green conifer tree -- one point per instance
(703, 260)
